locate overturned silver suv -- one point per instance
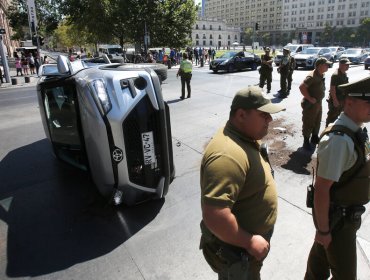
(110, 120)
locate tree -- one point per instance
(363, 32)
(168, 22)
(248, 36)
(47, 13)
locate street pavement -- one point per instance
(52, 225)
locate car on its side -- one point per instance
(355, 55)
(336, 51)
(231, 61)
(293, 48)
(308, 57)
(112, 121)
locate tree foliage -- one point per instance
(47, 13)
(167, 22)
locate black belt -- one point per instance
(352, 212)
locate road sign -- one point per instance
(2, 31)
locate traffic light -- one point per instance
(257, 26)
(34, 40)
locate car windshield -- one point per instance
(333, 49)
(310, 51)
(291, 48)
(114, 50)
(50, 69)
(353, 51)
(228, 55)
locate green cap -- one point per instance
(322, 60)
(252, 98)
(358, 89)
(344, 60)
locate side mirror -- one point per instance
(63, 64)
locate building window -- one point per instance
(196, 36)
(204, 27)
(197, 42)
(204, 36)
(204, 42)
(210, 43)
(210, 36)
(219, 27)
(210, 27)
(196, 26)
(219, 36)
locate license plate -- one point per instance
(148, 149)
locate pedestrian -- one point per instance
(266, 70)
(45, 61)
(18, 66)
(292, 66)
(37, 62)
(31, 63)
(184, 72)
(342, 188)
(25, 66)
(336, 98)
(1, 76)
(196, 55)
(283, 70)
(238, 192)
(313, 91)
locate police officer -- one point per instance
(284, 69)
(292, 66)
(336, 98)
(313, 91)
(186, 67)
(266, 70)
(238, 193)
(342, 188)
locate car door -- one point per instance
(239, 61)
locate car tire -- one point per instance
(230, 69)
(215, 71)
(366, 67)
(254, 66)
(159, 69)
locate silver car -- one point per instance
(111, 121)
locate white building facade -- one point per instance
(214, 33)
(306, 18)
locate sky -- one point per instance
(198, 1)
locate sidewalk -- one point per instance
(17, 81)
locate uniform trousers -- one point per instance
(333, 112)
(283, 81)
(340, 257)
(266, 76)
(290, 79)
(311, 117)
(185, 79)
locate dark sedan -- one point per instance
(231, 61)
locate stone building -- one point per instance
(4, 24)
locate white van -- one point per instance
(110, 49)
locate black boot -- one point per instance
(306, 143)
(315, 139)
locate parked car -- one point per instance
(355, 55)
(336, 51)
(112, 121)
(294, 49)
(308, 57)
(231, 61)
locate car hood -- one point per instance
(304, 56)
(219, 60)
(351, 55)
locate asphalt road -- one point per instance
(53, 224)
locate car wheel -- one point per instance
(366, 67)
(254, 66)
(230, 69)
(215, 71)
(159, 69)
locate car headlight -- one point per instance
(224, 62)
(101, 97)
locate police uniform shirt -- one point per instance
(336, 152)
(234, 175)
(338, 78)
(315, 85)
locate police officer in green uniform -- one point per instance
(266, 70)
(186, 67)
(336, 98)
(283, 69)
(313, 91)
(292, 66)
(238, 192)
(342, 188)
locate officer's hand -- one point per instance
(324, 240)
(258, 247)
(312, 100)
